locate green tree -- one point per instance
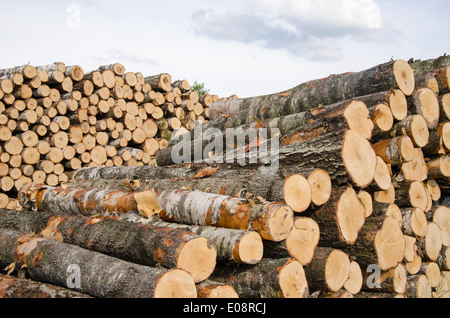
(199, 88)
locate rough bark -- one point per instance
(271, 278)
(326, 91)
(273, 221)
(17, 288)
(49, 261)
(232, 246)
(145, 245)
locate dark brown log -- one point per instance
(49, 261)
(328, 270)
(146, 245)
(17, 288)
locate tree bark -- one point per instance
(13, 287)
(271, 278)
(273, 221)
(328, 270)
(326, 91)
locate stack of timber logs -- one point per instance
(349, 197)
(55, 119)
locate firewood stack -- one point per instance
(358, 205)
(55, 119)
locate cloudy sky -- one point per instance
(243, 47)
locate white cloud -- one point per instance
(306, 28)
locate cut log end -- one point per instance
(303, 240)
(281, 221)
(321, 187)
(442, 218)
(354, 282)
(357, 116)
(337, 270)
(383, 117)
(433, 241)
(419, 131)
(176, 283)
(198, 257)
(351, 215)
(250, 249)
(427, 105)
(382, 176)
(293, 281)
(404, 76)
(297, 193)
(220, 291)
(359, 158)
(389, 244)
(398, 104)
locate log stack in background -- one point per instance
(361, 192)
(55, 119)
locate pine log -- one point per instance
(271, 278)
(160, 82)
(18, 288)
(425, 103)
(380, 242)
(441, 217)
(300, 244)
(211, 289)
(146, 245)
(413, 126)
(341, 218)
(430, 246)
(391, 75)
(391, 281)
(354, 282)
(49, 261)
(232, 246)
(273, 221)
(414, 222)
(396, 150)
(328, 270)
(418, 287)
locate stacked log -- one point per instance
(357, 205)
(383, 152)
(55, 119)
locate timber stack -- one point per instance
(338, 187)
(55, 119)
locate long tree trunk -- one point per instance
(146, 245)
(326, 91)
(49, 261)
(279, 278)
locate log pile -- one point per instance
(357, 205)
(55, 119)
